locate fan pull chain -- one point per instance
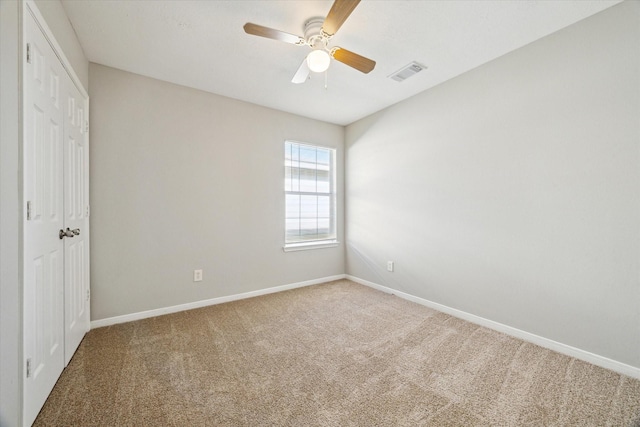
(326, 79)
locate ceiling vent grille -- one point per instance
(405, 72)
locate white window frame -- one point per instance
(332, 241)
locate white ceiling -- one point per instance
(201, 44)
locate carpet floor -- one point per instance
(336, 354)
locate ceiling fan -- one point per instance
(317, 34)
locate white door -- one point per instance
(43, 194)
(76, 202)
(56, 223)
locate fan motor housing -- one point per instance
(312, 27)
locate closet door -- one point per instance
(76, 220)
(43, 274)
(56, 223)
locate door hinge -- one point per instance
(88, 211)
(88, 294)
(28, 53)
(28, 211)
(86, 126)
(28, 367)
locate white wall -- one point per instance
(182, 180)
(513, 191)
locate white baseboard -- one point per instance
(568, 350)
(204, 303)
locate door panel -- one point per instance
(76, 180)
(43, 249)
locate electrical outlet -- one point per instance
(389, 265)
(197, 275)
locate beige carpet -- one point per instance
(338, 354)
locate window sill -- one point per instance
(311, 245)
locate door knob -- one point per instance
(66, 233)
(76, 232)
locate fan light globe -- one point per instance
(318, 61)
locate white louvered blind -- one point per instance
(309, 186)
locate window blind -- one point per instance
(310, 210)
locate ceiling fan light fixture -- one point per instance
(318, 61)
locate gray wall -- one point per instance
(512, 191)
(10, 224)
(182, 180)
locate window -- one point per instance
(310, 194)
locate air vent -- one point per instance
(405, 72)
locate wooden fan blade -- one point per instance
(270, 33)
(353, 60)
(302, 74)
(339, 13)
